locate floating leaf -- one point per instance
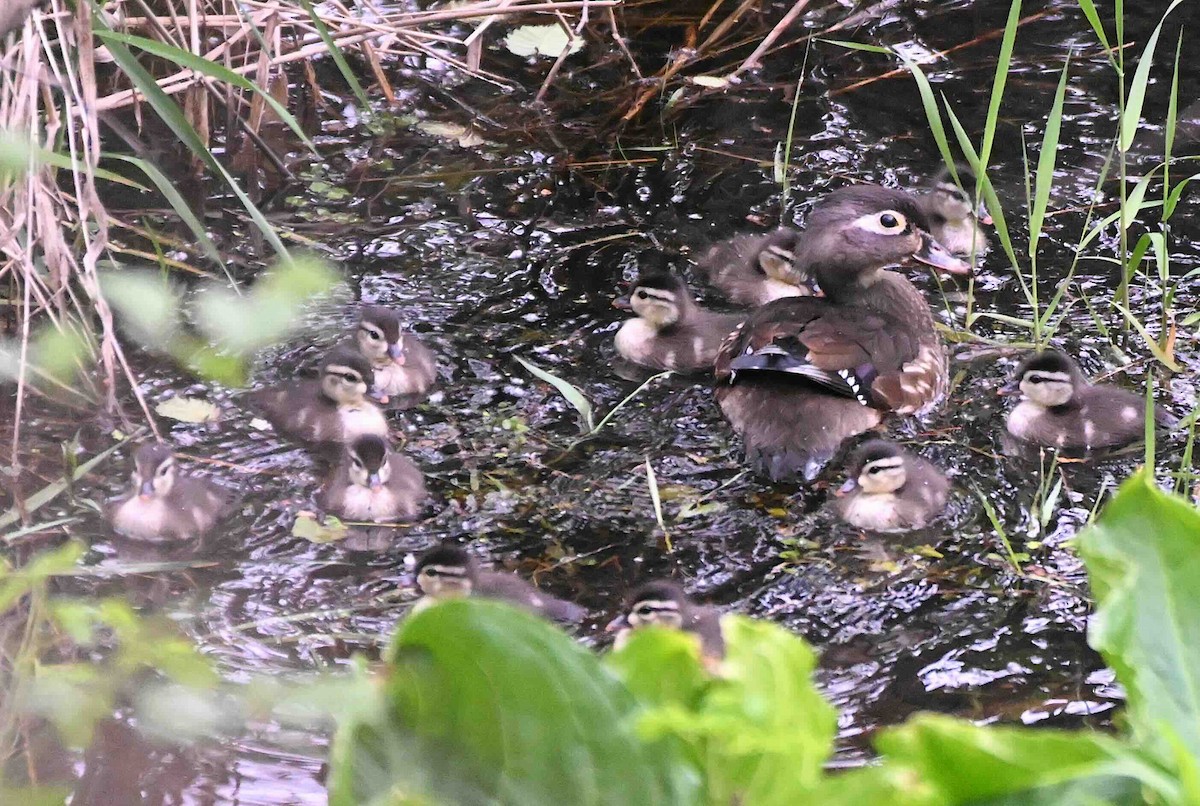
(308, 527)
(463, 135)
(541, 40)
(188, 410)
(712, 82)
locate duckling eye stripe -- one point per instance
(661, 296)
(374, 331)
(1047, 377)
(884, 464)
(347, 373)
(445, 571)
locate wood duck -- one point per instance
(402, 364)
(888, 489)
(373, 483)
(953, 220)
(752, 270)
(664, 604)
(332, 408)
(165, 504)
(671, 331)
(801, 374)
(449, 571)
(1060, 408)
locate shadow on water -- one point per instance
(517, 247)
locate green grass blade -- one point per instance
(1045, 165)
(1150, 421)
(199, 64)
(845, 43)
(568, 390)
(338, 58)
(173, 116)
(1151, 343)
(1132, 114)
(932, 115)
(655, 496)
(1172, 122)
(1003, 61)
(181, 207)
(1089, 11)
(66, 163)
(604, 420)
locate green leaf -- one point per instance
(570, 392)
(173, 116)
(1047, 157)
(329, 531)
(484, 703)
(148, 305)
(963, 763)
(338, 57)
(661, 667)
(541, 40)
(1131, 116)
(1143, 558)
(17, 156)
(188, 410)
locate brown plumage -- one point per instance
(402, 364)
(371, 482)
(802, 374)
(888, 489)
(165, 504)
(664, 604)
(671, 331)
(753, 270)
(330, 409)
(1061, 408)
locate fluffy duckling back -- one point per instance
(1060, 408)
(671, 331)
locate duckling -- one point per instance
(953, 221)
(402, 364)
(752, 270)
(888, 489)
(802, 374)
(1060, 408)
(664, 604)
(332, 408)
(449, 571)
(671, 331)
(373, 483)
(166, 504)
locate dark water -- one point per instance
(518, 246)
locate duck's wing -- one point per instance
(849, 351)
(513, 589)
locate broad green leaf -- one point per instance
(148, 305)
(541, 40)
(188, 410)
(964, 763)
(17, 156)
(661, 667)
(1003, 62)
(488, 704)
(569, 391)
(309, 528)
(1143, 558)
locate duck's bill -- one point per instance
(1010, 389)
(619, 623)
(623, 303)
(934, 254)
(850, 486)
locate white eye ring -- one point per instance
(884, 222)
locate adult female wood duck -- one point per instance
(373, 483)
(671, 331)
(752, 270)
(332, 408)
(449, 571)
(401, 363)
(953, 220)
(165, 504)
(888, 489)
(1060, 408)
(664, 604)
(802, 374)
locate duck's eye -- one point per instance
(163, 470)
(890, 221)
(1034, 379)
(357, 463)
(641, 294)
(350, 377)
(375, 336)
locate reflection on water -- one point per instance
(525, 259)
